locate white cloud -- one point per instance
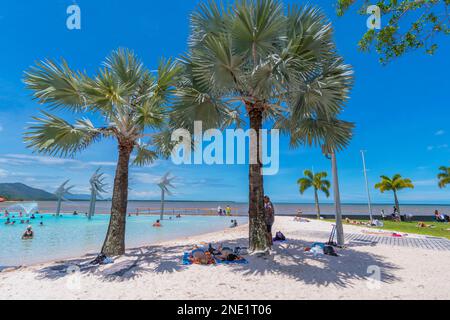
(3, 173)
(102, 163)
(145, 178)
(423, 183)
(21, 159)
(144, 194)
(441, 146)
(439, 132)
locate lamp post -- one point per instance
(367, 185)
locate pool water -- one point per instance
(73, 236)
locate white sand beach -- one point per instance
(156, 272)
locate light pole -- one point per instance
(367, 185)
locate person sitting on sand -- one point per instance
(234, 224)
(298, 217)
(28, 234)
(157, 224)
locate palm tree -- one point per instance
(316, 181)
(253, 60)
(60, 193)
(125, 96)
(164, 184)
(333, 135)
(444, 177)
(394, 184)
(97, 182)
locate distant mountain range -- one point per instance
(22, 192)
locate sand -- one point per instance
(156, 272)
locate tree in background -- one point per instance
(444, 176)
(394, 184)
(407, 25)
(129, 101)
(316, 181)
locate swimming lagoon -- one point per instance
(71, 236)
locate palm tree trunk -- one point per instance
(258, 229)
(58, 207)
(162, 204)
(316, 200)
(337, 201)
(397, 205)
(114, 244)
(92, 205)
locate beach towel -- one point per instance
(186, 260)
(240, 261)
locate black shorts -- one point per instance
(269, 228)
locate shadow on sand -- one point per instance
(289, 259)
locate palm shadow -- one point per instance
(289, 259)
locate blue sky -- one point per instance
(401, 110)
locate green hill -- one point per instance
(22, 192)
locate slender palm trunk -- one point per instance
(316, 200)
(337, 201)
(58, 207)
(162, 203)
(92, 205)
(397, 205)
(114, 244)
(258, 229)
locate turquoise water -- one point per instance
(73, 236)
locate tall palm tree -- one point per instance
(394, 184)
(316, 181)
(333, 135)
(253, 60)
(444, 177)
(129, 101)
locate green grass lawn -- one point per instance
(439, 230)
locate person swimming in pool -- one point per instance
(28, 234)
(157, 224)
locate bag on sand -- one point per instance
(329, 250)
(279, 236)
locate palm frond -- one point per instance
(53, 135)
(56, 85)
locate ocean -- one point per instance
(192, 207)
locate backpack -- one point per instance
(329, 250)
(279, 236)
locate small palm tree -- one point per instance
(129, 101)
(98, 184)
(317, 182)
(444, 177)
(394, 184)
(333, 135)
(256, 62)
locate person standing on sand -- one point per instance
(269, 212)
(228, 211)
